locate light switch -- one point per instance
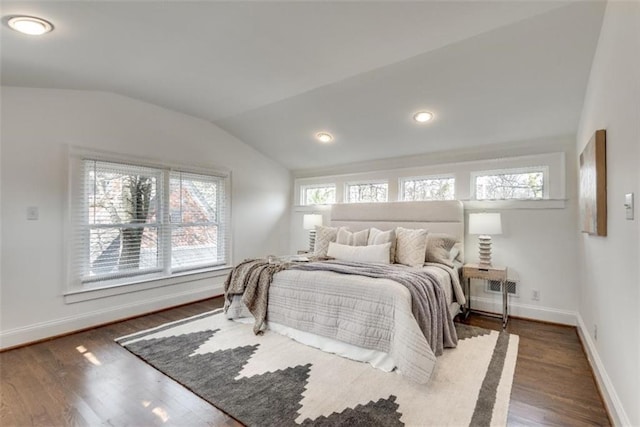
(32, 213)
(628, 204)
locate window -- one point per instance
(511, 184)
(434, 188)
(122, 226)
(367, 192)
(135, 222)
(195, 219)
(318, 194)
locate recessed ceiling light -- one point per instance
(30, 25)
(324, 137)
(422, 116)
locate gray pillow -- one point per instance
(439, 247)
(346, 237)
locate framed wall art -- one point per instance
(593, 186)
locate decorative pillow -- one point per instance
(372, 253)
(324, 236)
(439, 247)
(378, 237)
(346, 237)
(453, 253)
(411, 245)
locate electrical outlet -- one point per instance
(33, 213)
(535, 295)
(595, 332)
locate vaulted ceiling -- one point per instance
(276, 73)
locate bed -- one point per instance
(361, 317)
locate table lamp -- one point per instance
(309, 222)
(485, 224)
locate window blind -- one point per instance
(133, 221)
(197, 220)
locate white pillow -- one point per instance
(378, 237)
(372, 253)
(324, 235)
(346, 237)
(411, 246)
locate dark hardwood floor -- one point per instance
(553, 382)
(88, 379)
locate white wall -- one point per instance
(539, 241)
(37, 124)
(609, 266)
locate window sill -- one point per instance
(515, 204)
(87, 293)
(312, 208)
(472, 205)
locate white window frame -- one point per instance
(528, 169)
(553, 161)
(221, 222)
(76, 289)
(364, 182)
(404, 179)
(106, 279)
(304, 188)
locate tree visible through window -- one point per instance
(428, 189)
(123, 230)
(318, 195)
(122, 226)
(367, 192)
(517, 185)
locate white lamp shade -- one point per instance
(310, 221)
(485, 223)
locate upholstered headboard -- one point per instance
(435, 216)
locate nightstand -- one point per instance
(486, 272)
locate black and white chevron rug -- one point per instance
(271, 380)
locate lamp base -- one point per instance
(485, 250)
(312, 240)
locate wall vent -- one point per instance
(494, 286)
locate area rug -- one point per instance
(271, 380)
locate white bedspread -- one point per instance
(372, 314)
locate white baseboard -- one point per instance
(611, 400)
(546, 314)
(51, 328)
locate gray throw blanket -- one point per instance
(251, 279)
(428, 300)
